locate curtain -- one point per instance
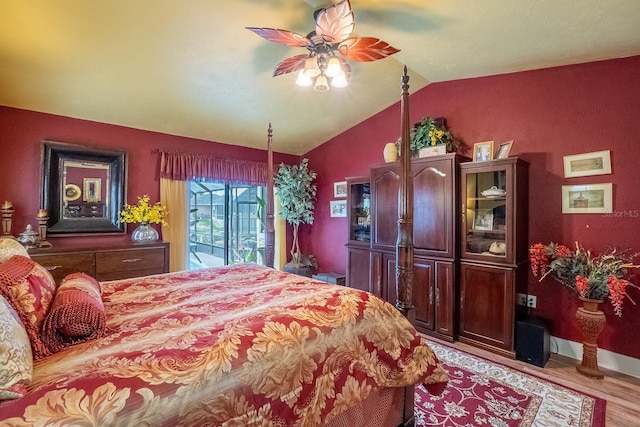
(198, 167)
(174, 195)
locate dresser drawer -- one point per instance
(59, 265)
(122, 264)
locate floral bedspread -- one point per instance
(238, 345)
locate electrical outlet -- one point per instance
(521, 299)
(531, 301)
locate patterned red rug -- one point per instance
(484, 393)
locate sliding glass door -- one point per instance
(226, 224)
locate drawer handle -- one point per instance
(53, 267)
(132, 260)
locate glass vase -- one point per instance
(144, 233)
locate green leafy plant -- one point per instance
(430, 132)
(297, 193)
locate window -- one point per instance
(226, 224)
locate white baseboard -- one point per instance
(606, 359)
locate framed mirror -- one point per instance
(82, 188)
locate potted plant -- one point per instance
(297, 193)
(432, 134)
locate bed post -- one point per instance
(270, 237)
(404, 244)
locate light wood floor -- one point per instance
(622, 392)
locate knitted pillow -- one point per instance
(77, 313)
(16, 361)
(29, 288)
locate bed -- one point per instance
(236, 346)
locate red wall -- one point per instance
(548, 113)
(21, 133)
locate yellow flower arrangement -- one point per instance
(144, 212)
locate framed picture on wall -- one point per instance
(483, 151)
(91, 191)
(590, 198)
(340, 189)
(595, 163)
(338, 208)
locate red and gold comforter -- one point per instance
(239, 345)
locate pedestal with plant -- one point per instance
(594, 279)
(297, 193)
(144, 214)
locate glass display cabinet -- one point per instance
(359, 222)
(494, 251)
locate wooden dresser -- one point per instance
(114, 262)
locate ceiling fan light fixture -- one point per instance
(311, 68)
(340, 80)
(303, 79)
(333, 67)
(322, 85)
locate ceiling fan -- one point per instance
(329, 46)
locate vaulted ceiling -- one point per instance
(190, 68)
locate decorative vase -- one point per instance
(144, 233)
(390, 152)
(591, 321)
(432, 150)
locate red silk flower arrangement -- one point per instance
(592, 277)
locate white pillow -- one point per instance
(10, 247)
(16, 360)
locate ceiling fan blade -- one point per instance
(281, 36)
(291, 64)
(365, 49)
(335, 23)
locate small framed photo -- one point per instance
(590, 198)
(91, 191)
(595, 163)
(484, 220)
(340, 189)
(338, 208)
(483, 151)
(504, 149)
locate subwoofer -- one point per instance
(532, 341)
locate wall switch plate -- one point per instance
(526, 300)
(531, 301)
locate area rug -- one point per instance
(484, 393)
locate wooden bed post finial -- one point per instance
(270, 236)
(404, 244)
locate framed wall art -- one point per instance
(340, 189)
(338, 208)
(504, 149)
(594, 163)
(589, 198)
(91, 192)
(483, 151)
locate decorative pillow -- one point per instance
(16, 361)
(29, 288)
(77, 313)
(10, 247)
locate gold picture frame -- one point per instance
(504, 149)
(589, 198)
(587, 164)
(340, 189)
(91, 190)
(483, 151)
(338, 208)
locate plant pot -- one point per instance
(432, 150)
(591, 321)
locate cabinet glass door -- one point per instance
(360, 212)
(486, 222)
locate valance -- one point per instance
(196, 167)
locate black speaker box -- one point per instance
(532, 341)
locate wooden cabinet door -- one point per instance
(487, 304)
(358, 268)
(445, 298)
(385, 182)
(423, 289)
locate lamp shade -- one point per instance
(322, 85)
(303, 79)
(340, 80)
(333, 67)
